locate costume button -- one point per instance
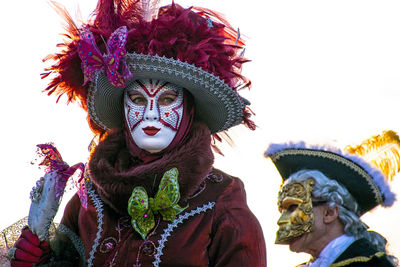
(108, 245)
(148, 248)
(216, 178)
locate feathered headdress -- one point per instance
(194, 48)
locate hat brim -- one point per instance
(218, 105)
(365, 184)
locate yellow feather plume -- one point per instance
(383, 151)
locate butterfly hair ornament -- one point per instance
(142, 208)
(113, 62)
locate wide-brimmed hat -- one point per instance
(217, 104)
(192, 48)
(365, 183)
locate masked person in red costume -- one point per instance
(158, 84)
(325, 191)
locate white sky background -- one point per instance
(322, 71)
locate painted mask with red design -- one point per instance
(153, 112)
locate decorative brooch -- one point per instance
(142, 208)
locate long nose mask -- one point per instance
(296, 208)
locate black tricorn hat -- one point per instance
(366, 184)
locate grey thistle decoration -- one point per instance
(36, 192)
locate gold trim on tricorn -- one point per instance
(335, 157)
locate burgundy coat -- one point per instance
(216, 229)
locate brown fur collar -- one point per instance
(115, 173)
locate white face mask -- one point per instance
(153, 111)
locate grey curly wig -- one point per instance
(335, 194)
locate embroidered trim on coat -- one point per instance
(173, 225)
(358, 259)
(99, 209)
(75, 239)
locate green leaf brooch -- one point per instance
(142, 208)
